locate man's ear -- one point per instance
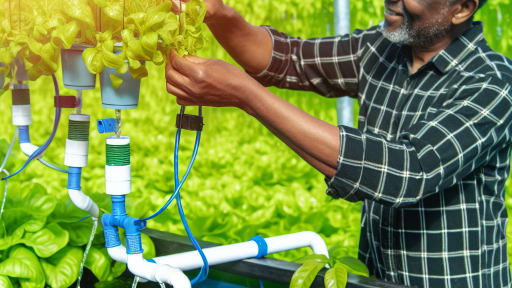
(464, 10)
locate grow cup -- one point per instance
(75, 74)
(126, 96)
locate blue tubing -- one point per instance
(49, 141)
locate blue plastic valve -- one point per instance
(107, 125)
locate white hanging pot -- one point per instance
(75, 74)
(126, 96)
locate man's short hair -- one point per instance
(480, 3)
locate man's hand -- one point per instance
(214, 9)
(197, 81)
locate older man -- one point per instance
(431, 154)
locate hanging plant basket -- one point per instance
(75, 74)
(126, 94)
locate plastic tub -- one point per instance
(127, 94)
(75, 74)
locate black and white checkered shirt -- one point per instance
(431, 154)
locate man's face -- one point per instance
(417, 23)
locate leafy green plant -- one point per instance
(335, 277)
(43, 244)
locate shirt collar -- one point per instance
(457, 51)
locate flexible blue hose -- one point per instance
(203, 274)
(178, 188)
(45, 145)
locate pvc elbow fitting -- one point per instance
(141, 267)
(84, 202)
(118, 253)
(29, 149)
(172, 276)
(107, 125)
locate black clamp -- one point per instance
(190, 122)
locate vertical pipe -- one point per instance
(344, 105)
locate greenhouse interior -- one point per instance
(108, 181)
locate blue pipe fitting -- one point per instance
(131, 226)
(74, 177)
(262, 246)
(24, 136)
(111, 233)
(118, 206)
(107, 125)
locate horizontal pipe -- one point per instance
(235, 252)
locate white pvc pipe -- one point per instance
(234, 252)
(84, 202)
(118, 253)
(157, 273)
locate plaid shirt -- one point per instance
(431, 154)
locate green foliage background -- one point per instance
(245, 181)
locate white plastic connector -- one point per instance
(172, 276)
(118, 188)
(76, 153)
(21, 115)
(118, 173)
(80, 117)
(29, 149)
(156, 273)
(84, 202)
(118, 253)
(141, 267)
(113, 140)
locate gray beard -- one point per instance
(414, 36)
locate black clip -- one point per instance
(190, 122)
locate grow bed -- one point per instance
(240, 274)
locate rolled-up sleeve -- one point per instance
(328, 66)
(431, 155)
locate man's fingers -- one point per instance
(182, 64)
(175, 77)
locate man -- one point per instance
(431, 154)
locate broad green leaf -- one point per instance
(24, 265)
(99, 263)
(47, 241)
(316, 257)
(354, 266)
(305, 275)
(336, 277)
(66, 215)
(5, 282)
(61, 269)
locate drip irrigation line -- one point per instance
(49, 141)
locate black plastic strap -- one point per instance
(190, 122)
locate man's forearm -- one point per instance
(250, 46)
(316, 141)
